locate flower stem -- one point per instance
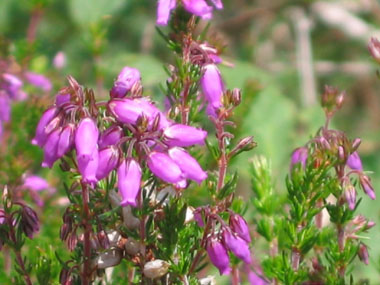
(86, 235)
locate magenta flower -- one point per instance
(50, 148)
(164, 167)
(88, 166)
(366, 184)
(212, 86)
(163, 11)
(350, 195)
(237, 246)
(198, 217)
(128, 180)
(354, 162)
(197, 7)
(36, 183)
(110, 136)
(124, 82)
(38, 80)
(183, 135)
(240, 227)
(41, 135)
(108, 159)
(188, 165)
(218, 256)
(127, 110)
(86, 139)
(374, 48)
(12, 84)
(299, 155)
(66, 140)
(254, 279)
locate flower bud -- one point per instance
(299, 155)
(12, 84)
(124, 82)
(88, 168)
(164, 167)
(50, 149)
(183, 135)
(212, 85)
(86, 139)
(110, 136)
(128, 181)
(236, 96)
(188, 165)
(163, 11)
(156, 268)
(240, 227)
(374, 48)
(127, 110)
(366, 184)
(30, 223)
(41, 135)
(218, 256)
(198, 217)
(354, 162)
(350, 194)
(39, 81)
(356, 144)
(66, 140)
(237, 245)
(108, 159)
(363, 254)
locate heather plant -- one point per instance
(151, 187)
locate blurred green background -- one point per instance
(283, 53)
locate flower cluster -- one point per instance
(199, 8)
(11, 85)
(136, 127)
(234, 237)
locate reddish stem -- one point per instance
(86, 235)
(235, 276)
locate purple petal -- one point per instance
(124, 82)
(35, 183)
(188, 165)
(240, 227)
(108, 159)
(89, 167)
(219, 256)
(164, 167)
(38, 80)
(86, 139)
(218, 4)
(212, 85)
(50, 149)
(66, 140)
(129, 180)
(41, 135)
(354, 162)
(110, 136)
(237, 245)
(198, 8)
(59, 60)
(299, 155)
(183, 135)
(61, 99)
(163, 11)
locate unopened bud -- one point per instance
(341, 154)
(156, 268)
(236, 96)
(363, 254)
(355, 144)
(30, 223)
(72, 241)
(340, 99)
(245, 144)
(350, 194)
(366, 184)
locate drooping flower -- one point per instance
(240, 227)
(183, 135)
(36, 183)
(110, 136)
(237, 246)
(163, 11)
(212, 86)
(108, 159)
(29, 222)
(164, 167)
(124, 82)
(88, 166)
(41, 136)
(50, 148)
(86, 139)
(188, 164)
(129, 179)
(218, 256)
(66, 140)
(366, 184)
